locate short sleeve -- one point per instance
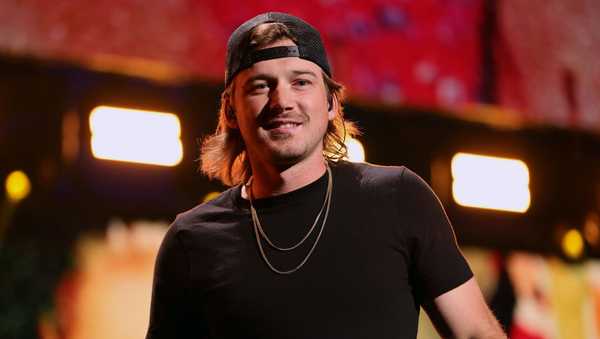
(437, 265)
(170, 312)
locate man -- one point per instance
(305, 245)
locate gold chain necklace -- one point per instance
(259, 231)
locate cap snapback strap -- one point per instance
(269, 53)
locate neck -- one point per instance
(268, 180)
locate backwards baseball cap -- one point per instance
(308, 41)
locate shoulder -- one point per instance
(371, 175)
(198, 227)
(213, 210)
(398, 183)
(400, 179)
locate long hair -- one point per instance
(223, 154)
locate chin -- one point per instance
(287, 158)
(290, 152)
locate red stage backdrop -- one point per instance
(416, 52)
(548, 61)
(423, 53)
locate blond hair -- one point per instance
(223, 154)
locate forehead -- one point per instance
(280, 68)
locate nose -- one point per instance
(281, 98)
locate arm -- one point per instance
(170, 312)
(463, 313)
(443, 280)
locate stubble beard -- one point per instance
(284, 152)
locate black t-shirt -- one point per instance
(386, 249)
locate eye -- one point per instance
(258, 87)
(302, 82)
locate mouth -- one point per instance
(281, 124)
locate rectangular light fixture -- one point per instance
(137, 136)
(490, 182)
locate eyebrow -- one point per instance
(263, 76)
(299, 72)
(266, 77)
(256, 77)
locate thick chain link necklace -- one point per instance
(260, 233)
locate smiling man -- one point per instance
(305, 244)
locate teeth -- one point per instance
(285, 125)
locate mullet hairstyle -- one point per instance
(223, 154)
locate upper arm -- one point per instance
(437, 264)
(442, 278)
(170, 311)
(463, 313)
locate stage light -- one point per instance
(572, 244)
(17, 186)
(490, 182)
(356, 151)
(138, 136)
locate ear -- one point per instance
(230, 118)
(333, 107)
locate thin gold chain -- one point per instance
(258, 229)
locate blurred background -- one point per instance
(103, 104)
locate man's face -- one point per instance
(281, 109)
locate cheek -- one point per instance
(316, 103)
(248, 109)
(252, 108)
(255, 102)
(247, 125)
